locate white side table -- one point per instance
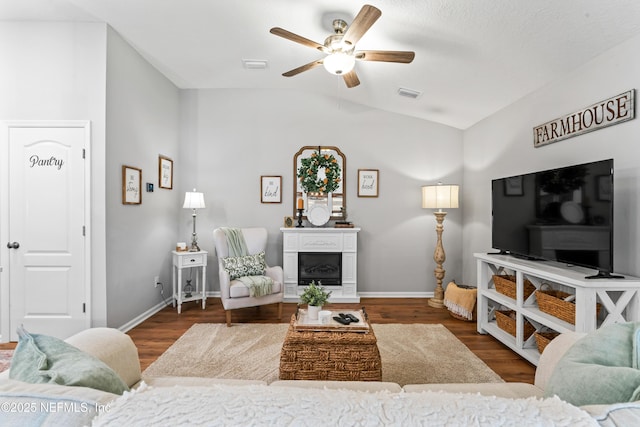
(193, 261)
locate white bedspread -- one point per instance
(224, 405)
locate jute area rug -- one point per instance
(410, 354)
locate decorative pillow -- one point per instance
(44, 359)
(601, 368)
(248, 265)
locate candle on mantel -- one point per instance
(300, 203)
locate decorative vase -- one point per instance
(312, 311)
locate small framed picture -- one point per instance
(271, 189)
(288, 221)
(368, 182)
(513, 186)
(131, 185)
(165, 172)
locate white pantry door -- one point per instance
(46, 237)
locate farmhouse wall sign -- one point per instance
(605, 113)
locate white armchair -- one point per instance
(233, 293)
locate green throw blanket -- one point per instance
(601, 368)
(235, 241)
(258, 285)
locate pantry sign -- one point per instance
(612, 111)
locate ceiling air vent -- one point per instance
(254, 64)
(409, 93)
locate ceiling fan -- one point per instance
(340, 47)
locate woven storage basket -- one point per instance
(552, 302)
(506, 285)
(331, 356)
(544, 338)
(507, 323)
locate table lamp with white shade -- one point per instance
(194, 200)
(439, 197)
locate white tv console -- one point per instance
(619, 298)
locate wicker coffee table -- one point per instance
(337, 355)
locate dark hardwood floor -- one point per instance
(157, 333)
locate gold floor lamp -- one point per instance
(439, 197)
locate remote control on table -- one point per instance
(350, 316)
(341, 320)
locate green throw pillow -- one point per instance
(600, 369)
(249, 265)
(45, 359)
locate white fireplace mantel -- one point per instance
(313, 239)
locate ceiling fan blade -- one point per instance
(296, 38)
(351, 79)
(361, 23)
(404, 57)
(303, 68)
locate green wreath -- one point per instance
(308, 173)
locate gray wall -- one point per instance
(232, 137)
(65, 71)
(56, 71)
(142, 123)
(502, 145)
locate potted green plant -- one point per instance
(315, 296)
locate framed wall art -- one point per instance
(131, 185)
(368, 182)
(165, 172)
(271, 189)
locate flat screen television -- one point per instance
(563, 215)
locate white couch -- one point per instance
(212, 399)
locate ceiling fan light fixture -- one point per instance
(340, 47)
(339, 63)
(336, 43)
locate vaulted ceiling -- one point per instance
(473, 57)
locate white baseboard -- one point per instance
(144, 316)
(216, 294)
(396, 294)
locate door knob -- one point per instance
(13, 245)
